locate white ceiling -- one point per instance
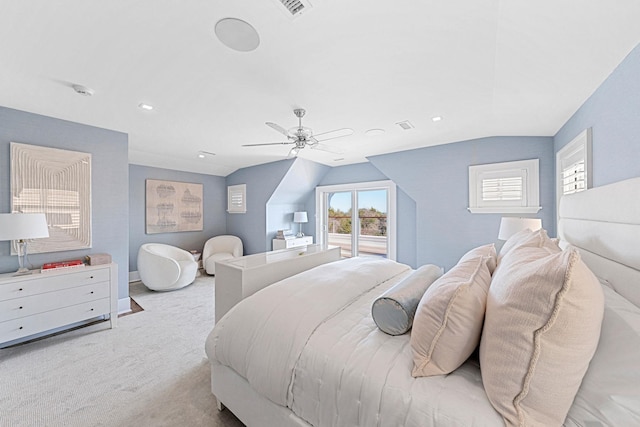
(493, 67)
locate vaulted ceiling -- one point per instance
(495, 67)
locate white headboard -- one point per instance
(604, 223)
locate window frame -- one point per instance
(234, 190)
(582, 142)
(529, 170)
(322, 207)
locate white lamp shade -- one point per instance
(300, 217)
(20, 226)
(510, 226)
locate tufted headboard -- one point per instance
(604, 223)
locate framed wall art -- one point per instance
(57, 183)
(173, 206)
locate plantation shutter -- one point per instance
(573, 172)
(236, 198)
(502, 188)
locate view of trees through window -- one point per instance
(372, 221)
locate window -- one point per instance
(237, 198)
(573, 165)
(359, 217)
(510, 187)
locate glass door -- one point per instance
(359, 218)
(372, 220)
(339, 224)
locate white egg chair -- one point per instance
(165, 267)
(220, 248)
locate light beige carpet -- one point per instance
(149, 371)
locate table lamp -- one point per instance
(21, 227)
(300, 218)
(511, 225)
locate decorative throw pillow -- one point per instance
(448, 322)
(542, 326)
(394, 310)
(488, 251)
(538, 239)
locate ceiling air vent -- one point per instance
(405, 125)
(295, 8)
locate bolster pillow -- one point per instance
(393, 311)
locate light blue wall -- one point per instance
(613, 112)
(215, 203)
(261, 181)
(437, 178)
(291, 196)
(109, 184)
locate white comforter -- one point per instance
(309, 343)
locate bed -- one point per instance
(307, 352)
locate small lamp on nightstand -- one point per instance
(300, 218)
(21, 227)
(511, 225)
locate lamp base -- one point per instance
(22, 271)
(300, 234)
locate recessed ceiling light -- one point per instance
(405, 125)
(374, 132)
(145, 106)
(436, 118)
(338, 160)
(237, 34)
(83, 90)
(202, 154)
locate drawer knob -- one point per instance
(20, 327)
(20, 289)
(92, 292)
(20, 308)
(90, 277)
(92, 309)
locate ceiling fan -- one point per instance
(301, 137)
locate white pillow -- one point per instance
(542, 326)
(448, 322)
(488, 251)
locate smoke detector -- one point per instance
(294, 8)
(83, 90)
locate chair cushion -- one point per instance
(210, 263)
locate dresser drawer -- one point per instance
(38, 283)
(20, 307)
(18, 328)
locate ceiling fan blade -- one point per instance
(278, 128)
(333, 134)
(324, 147)
(268, 143)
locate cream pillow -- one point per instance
(538, 238)
(488, 251)
(542, 326)
(448, 321)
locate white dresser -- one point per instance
(292, 243)
(39, 302)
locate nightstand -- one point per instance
(292, 243)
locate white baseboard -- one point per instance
(134, 276)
